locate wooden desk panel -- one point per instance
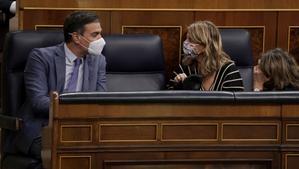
(157, 110)
(171, 135)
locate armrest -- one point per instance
(182, 96)
(269, 97)
(11, 123)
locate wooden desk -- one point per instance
(175, 134)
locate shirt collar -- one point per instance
(69, 54)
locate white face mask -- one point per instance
(96, 47)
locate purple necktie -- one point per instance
(74, 77)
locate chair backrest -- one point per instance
(134, 63)
(236, 43)
(16, 50)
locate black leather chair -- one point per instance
(134, 63)
(236, 43)
(16, 49)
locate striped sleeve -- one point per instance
(232, 80)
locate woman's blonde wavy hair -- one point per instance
(280, 67)
(207, 34)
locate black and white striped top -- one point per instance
(227, 78)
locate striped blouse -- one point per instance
(227, 78)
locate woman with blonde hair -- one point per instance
(205, 57)
(277, 70)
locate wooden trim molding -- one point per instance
(250, 124)
(216, 125)
(37, 27)
(286, 159)
(76, 126)
(287, 132)
(163, 9)
(101, 140)
(289, 35)
(73, 156)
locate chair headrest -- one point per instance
(133, 53)
(19, 44)
(236, 43)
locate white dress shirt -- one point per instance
(69, 62)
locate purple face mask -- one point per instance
(188, 49)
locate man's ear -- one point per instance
(76, 37)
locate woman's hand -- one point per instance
(259, 78)
(180, 77)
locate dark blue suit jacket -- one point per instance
(45, 72)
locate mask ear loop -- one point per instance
(79, 37)
(71, 34)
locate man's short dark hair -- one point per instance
(76, 21)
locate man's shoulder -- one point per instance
(48, 51)
(49, 48)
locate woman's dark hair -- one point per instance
(281, 69)
(76, 21)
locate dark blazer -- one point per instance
(5, 5)
(45, 72)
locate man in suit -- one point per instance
(73, 66)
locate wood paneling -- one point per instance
(149, 18)
(127, 132)
(168, 25)
(291, 161)
(271, 23)
(190, 132)
(74, 162)
(75, 133)
(293, 41)
(288, 32)
(254, 22)
(49, 18)
(172, 135)
(250, 132)
(165, 4)
(181, 164)
(269, 29)
(171, 38)
(292, 132)
(204, 111)
(290, 111)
